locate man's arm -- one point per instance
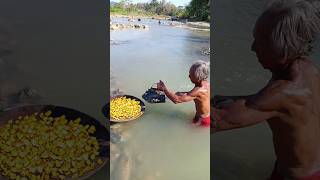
(180, 97)
(262, 106)
(239, 114)
(219, 101)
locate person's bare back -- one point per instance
(296, 130)
(202, 102)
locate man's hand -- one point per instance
(161, 86)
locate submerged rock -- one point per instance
(29, 95)
(118, 133)
(115, 138)
(12, 97)
(114, 155)
(206, 51)
(117, 92)
(122, 171)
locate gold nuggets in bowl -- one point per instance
(124, 108)
(43, 147)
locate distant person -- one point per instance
(290, 102)
(200, 94)
(159, 22)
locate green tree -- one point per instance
(199, 10)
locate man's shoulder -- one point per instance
(272, 97)
(276, 87)
(195, 90)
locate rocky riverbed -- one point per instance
(119, 26)
(163, 20)
(206, 51)
(125, 165)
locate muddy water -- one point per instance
(162, 144)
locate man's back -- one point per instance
(296, 132)
(202, 102)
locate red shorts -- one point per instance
(277, 176)
(205, 122)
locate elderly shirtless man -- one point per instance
(290, 102)
(200, 94)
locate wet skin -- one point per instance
(290, 104)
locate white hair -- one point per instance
(201, 70)
(295, 26)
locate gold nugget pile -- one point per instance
(42, 147)
(123, 108)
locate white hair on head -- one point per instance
(201, 70)
(295, 26)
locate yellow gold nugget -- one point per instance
(124, 108)
(39, 146)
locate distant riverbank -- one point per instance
(197, 25)
(141, 16)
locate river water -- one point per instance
(244, 153)
(59, 49)
(162, 144)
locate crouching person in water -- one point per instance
(290, 102)
(200, 94)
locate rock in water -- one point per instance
(117, 92)
(114, 155)
(29, 95)
(114, 137)
(128, 26)
(206, 52)
(122, 170)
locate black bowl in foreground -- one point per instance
(101, 133)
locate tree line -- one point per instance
(195, 10)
